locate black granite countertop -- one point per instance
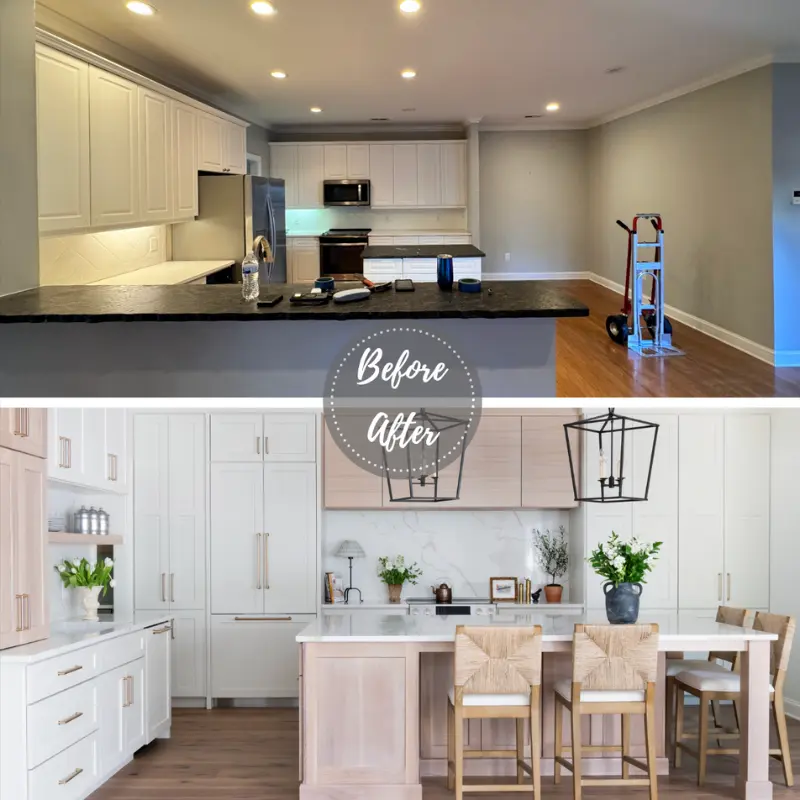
(423, 251)
(499, 299)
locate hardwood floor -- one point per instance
(251, 754)
(589, 364)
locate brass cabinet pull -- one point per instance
(18, 602)
(69, 452)
(162, 630)
(729, 587)
(125, 702)
(112, 467)
(258, 445)
(17, 422)
(262, 619)
(62, 452)
(133, 699)
(72, 718)
(266, 560)
(70, 670)
(719, 587)
(258, 561)
(172, 587)
(163, 587)
(70, 777)
(26, 608)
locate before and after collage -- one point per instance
(399, 399)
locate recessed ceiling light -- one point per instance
(408, 74)
(143, 9)
(316, 110)
(552, 107)
(279, 74)
(263, 8)
(410, 6)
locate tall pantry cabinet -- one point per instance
(263, 515)
(169, 523)
(23, 479)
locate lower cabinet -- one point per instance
(189, 654)
(420, 270)
(159, 671)
(121, 715)
(256, 656)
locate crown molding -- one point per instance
(528, 126)
(387, 128)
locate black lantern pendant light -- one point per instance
(613, 432)
(417, 470)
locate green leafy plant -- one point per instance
(552, 553)
(80, 573)
(620, 561)
(394, 572)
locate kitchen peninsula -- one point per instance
(418, 262)
(374, 699)
(507, 331)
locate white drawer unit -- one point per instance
(62, 672)
(384, 269)
(121, 651)
(381, 241)
(431, 240)
(420, 269)
(70, 775)
(404, 241)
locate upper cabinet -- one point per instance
(263, 437)
(402, 174)
(24, 430)
(116, 150)
(546, 477)
(62, 135)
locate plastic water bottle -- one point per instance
(250, 285)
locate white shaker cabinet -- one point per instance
(304, 260)
(454, 174)
(290, 437)
(263, 437)
(158, 652)
(358, 162)
(283, 165)
(114, 148)
(189, 638)
(155, 156)
(185, 159)
(236, 152)
(381, 169)
(335, 162)
(66, 436)
(236, 437)
(310, 175)
(405, 175)
(429, 174)
(62, 137)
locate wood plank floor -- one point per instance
(251, 754)
(589, 364)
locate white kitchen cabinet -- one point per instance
(335, 162)
(290, 437)
(212, 141)
(358, 162)
(189, 654)
(383, 269)
(263, 437)
(431, 240)
(310, 175)
(236, 437)
(114, 149)
(112, 712)
(454, 174)
(283, 165)
(62, 137)
(422, 270)
(116, 449)
(304, 260)
(429, 174)
(405, 175)
(158, 658)
(155, 156)
(135, 717)
(402, 241)
(66, 436)
(381, 173)
(236, 150)
(256, 657)
(184, 159)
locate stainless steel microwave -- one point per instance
(346, 193)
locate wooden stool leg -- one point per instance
(520, 737)
(702, 742)
(779, 715)
(450, 748)
(536, 741)
(680, 700)
(576, 751)
(626, 745)
(669, 719)
(458, 739)
(650, 742)
(558, 740)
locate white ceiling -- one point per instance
(492, 59)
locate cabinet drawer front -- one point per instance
(381, 241)
(401, 241)
(431, 239)
(306, 243)
(61, 720)
(419, 267)
(121, 651)
(468, 264)
(383, 268)
(69, 775)
(465, 239)
(62, 672)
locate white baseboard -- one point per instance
(787, 358)
(792, 707)
(537, 276)
(748, 346)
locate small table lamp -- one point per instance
(350, 550)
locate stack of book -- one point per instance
(334, 588)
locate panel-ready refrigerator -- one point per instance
(233, 211)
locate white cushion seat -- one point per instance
(676, 665)
(492, 699)
(711, 680)
(564, 688)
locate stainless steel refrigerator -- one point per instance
(233, 211)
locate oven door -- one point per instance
(341, 258)
(346, 193)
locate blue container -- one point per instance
(444, 272)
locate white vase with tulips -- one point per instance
(90, 578)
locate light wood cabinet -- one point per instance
(114, 149)
(405, 175)
(546, 477)
(310, 175)
(429, 174)
(346, 485)
(335, 162)
(25, 430)
(184, 156)
(454, 174)
(62, 138)
(381, 174)
(10, 608)
(283, 165)
(158, 665)
(155, 156)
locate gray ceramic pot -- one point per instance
(622, 602)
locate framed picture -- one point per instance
(503, 590)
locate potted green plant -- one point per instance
(394, 573)
(89, 578)
(553, 556)
(623, 564)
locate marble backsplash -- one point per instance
(461, 548)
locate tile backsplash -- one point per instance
(462, 548)
(320, 220)
(86, 257)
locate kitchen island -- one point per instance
(189, 341)
(374, 697)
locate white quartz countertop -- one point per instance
(74, 634)
(556, 627)
(168, 273)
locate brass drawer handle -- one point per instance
(26, 609)
(70, 670)
(17, 422)
(172, 587)
(70, 777)
(266, 561)
(161, 630)
(258, 561)
(262, 619)
(67, 720)
(18, 601)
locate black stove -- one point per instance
(341, 253)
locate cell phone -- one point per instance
(269, 300)
(404, 285)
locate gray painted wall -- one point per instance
(704, 161)
(786, 217)
(534, 200)
(19, 235)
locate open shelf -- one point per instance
(83, 538)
